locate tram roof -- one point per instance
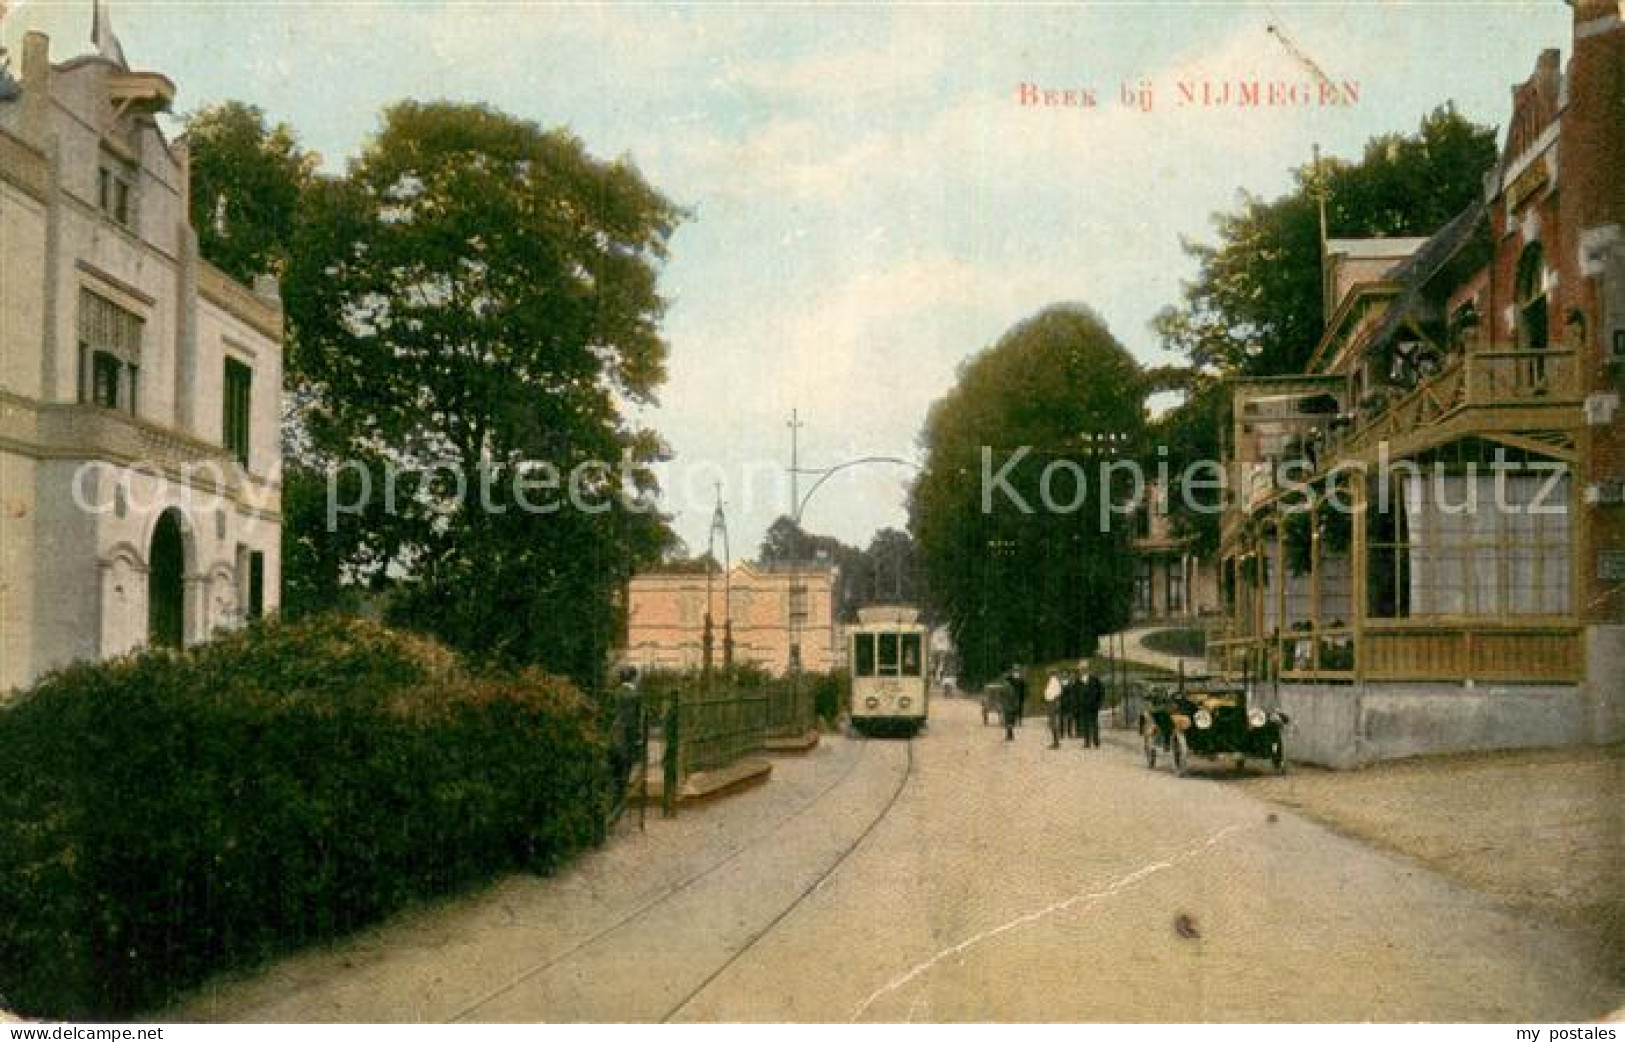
(889, 615)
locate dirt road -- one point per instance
(957, 877)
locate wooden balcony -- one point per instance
(1415, 650)
(1482, 391)
(1524, 398)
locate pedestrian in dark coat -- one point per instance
(1057, 708)
(1016, 686)
(627, 746)
(1071, 703)
(1094, 696)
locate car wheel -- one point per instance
(1150, 750)
(1182, 752)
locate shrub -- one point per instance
(831, 695)
(168, 815)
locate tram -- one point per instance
(889, 650)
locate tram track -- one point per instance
(464, 1014)
(808, 891)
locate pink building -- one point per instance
(775, 610)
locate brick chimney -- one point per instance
(36, 84)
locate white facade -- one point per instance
(140, 464)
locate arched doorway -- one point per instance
(166, 583)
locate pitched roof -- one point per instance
(1419, 270)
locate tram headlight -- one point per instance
(1257, 717)
(904, 702)
(1203, 719)
(872, 702)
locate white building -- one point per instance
(140, 387)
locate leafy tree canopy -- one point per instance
(473, 303)
(888, 571)
(1019, 585)
(248, 177)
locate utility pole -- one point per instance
(795, 426)
(797, 593)
(1321, 193)
(719, 530)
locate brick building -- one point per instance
(776, 612)
(1460, 582)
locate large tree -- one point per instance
(1255, 305)
(1017, 575)
(887, 571)
(472, 305)
(248, 179)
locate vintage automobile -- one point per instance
(1211, 719)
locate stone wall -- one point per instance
(1352, 725)
(1605, 665)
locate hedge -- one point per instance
(166, 815)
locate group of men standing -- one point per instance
(1075, 698)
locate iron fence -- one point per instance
(791, 707)
(720, 724)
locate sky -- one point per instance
(872, 194)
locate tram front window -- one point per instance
(888, 654)
(863, 654)
(911, 654)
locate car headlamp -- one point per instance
(1257, 717)
(1203, 719)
